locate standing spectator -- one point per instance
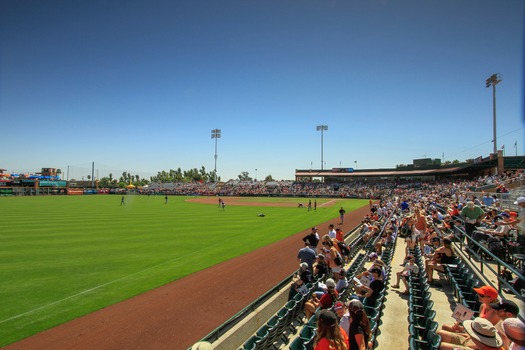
(333, 257)
(472, 214)
(420, 223)
(342, 215)
(329, 333)
(520, 201)
(331, 231)
(487, 200)
(307, 255)
(339, 235)
(312, 238)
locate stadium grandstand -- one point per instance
(440, 293)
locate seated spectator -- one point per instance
(299, 284)
(480, 335)
(408, 269)
(359, 330)
(371, 293)
(487, 295)
(344, 316)
(329, 333)
(515, 331)
(324, 302)
(320, 267)
(442, 255)
(342, 283)
(505, 309)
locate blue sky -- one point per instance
(138, 85)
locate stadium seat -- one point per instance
(431, 342)
(297, 344)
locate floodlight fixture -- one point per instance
(494, 80)
(322, 128)
(215, 134)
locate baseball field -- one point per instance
(66, 256)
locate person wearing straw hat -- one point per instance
(481, 335)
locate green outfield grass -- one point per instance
(63, 257)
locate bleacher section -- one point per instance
(412, 319)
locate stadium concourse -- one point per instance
(178, 314)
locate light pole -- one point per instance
(493, 80)
(255, 174)
(216, 134)
(322, 128)
(355, 161)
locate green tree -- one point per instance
(268, 178)
(245, 176)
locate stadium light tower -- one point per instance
(322, 128)
(216, 134)
(493, 80)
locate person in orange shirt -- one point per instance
(339, 235)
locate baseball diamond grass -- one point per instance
(66, 256)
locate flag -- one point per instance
(503, 147)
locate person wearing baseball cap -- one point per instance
(343, 314)
(329, 332)
(505, 309)
(486, 296)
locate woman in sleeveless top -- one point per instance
(442, 255)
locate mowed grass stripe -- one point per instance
(63, 257)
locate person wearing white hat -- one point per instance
(481, 335)
(515, 330)
(520, 201)
(202, 345)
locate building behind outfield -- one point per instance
(420, 170)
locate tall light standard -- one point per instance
(322, 128)
(493, 80)
(216, 134)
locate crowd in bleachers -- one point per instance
(336, 299)
(353, 189)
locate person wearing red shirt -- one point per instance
(330, 335)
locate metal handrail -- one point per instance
(500, 263)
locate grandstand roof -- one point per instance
(379, 172)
